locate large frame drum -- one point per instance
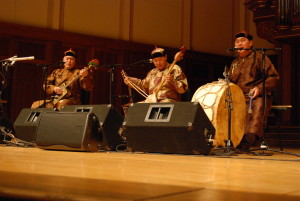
(212, 97)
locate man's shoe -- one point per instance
(247, 141)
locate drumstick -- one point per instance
(250, 105)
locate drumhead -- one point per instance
(213, 99)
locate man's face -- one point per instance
(70, 62)
(160, 62)
(242, 42)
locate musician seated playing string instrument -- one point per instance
(65, 85)
(166, 82)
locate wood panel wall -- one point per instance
(25, 78)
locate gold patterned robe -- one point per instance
(169, 92)
(63, 76)
(247, 74)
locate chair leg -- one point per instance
(279, 133)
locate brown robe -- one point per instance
(64, 76)
(247, 74)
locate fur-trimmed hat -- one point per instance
(243, 34)
(158, 52)
(70, 52)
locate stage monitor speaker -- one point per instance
(68, 131)
(27, 123)
(175, 128)
(110, 121)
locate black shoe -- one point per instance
(247, 141)
(244, 147)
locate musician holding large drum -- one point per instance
(246, 87)
(164, 83)
(246, 71)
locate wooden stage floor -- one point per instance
(37, 174)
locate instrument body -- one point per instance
(64, 87)
(212, 98)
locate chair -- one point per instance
(277, 110)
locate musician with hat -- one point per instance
(164, 83)
(246, 72)
(65, 85)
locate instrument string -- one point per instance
(134, 86)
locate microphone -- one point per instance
(258, 49)
(54, 64)
(60, 62)
(275, 49)
(149, 61)
(235, 48)
(15, 58)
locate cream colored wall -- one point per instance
(201, 25)
(157, 22)
(93, 17)
(27, 12)
(212, 26)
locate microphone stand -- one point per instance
(229, 149)
(5, 125)
(264, 146)
(112, 75)
(111, 79)
(45, 73)
(229, 105)
(45, 83)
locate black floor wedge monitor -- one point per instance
(71, 131)
(178, 128)
(110, 122)
(27, 123)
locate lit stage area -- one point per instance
(40, 174)
(157, 152)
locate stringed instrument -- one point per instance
(152, 98)
(64, 87)
(138, 89)
(126, 106)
